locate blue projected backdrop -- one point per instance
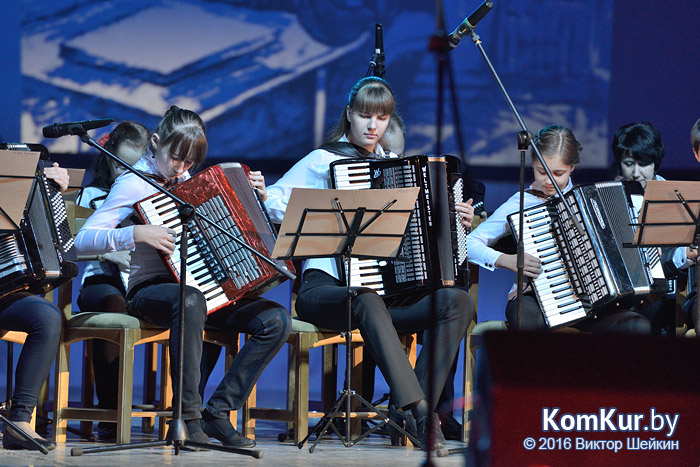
(270, 77)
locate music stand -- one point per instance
(16, 182)
(670, 217)
(343, 224)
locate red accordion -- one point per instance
(219, 267)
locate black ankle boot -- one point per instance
(451, 428)
(397, 418)
(423, 425)
(403, 419)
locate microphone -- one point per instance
(469, 23)
(57, 130)
(379, 69)
(378, 39)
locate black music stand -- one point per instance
(177, 435)
(670, 217)
(343, 224)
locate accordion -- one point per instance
(584, 272)
(38, 255)
(219, 267)
(434, 252)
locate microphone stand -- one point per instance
(521, 249)
(177, 435)
(439, 45)
(377, 66)
(524, 139)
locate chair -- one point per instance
(124, 330)
(304, 337)
(14, 337)
(299, 409)
(127, 332)
(474, 340)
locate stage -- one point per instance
(376, 450)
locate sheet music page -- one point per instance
(664, 219)
(17, 170)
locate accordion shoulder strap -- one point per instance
(348, 150)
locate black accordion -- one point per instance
(584, 272)
(434, 252)
(37, 255)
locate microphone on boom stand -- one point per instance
(377, 64)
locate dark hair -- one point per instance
(555, 139)
(370, 94)
(130, 133)
(695, 136)
(183, 131)
(641, 141)
(396, 124)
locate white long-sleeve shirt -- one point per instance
(495, 227)
(93, 197)
(313, 171)
(101, 233)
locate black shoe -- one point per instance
(397, 418)
(10, 441)
(403, 419)
(221, 429)
(423, 424)
(50, 445)
(107, 432)
(451, 428)
(196, 434)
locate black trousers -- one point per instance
(42, 322)
(322, 301)
(610, 320)
(267, 324)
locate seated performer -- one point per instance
(678, 261)
(322, 296)
(42, 321)
(103, 288)
(394, 139)
(177, 145)
(638, 150)
(561, 151)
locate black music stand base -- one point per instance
(347, 394)
(327, 422)
(178, 445)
